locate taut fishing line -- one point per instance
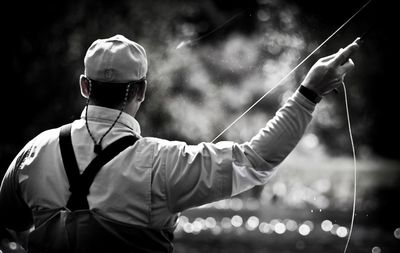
(354, 165)
(290, 72)
(346, 105)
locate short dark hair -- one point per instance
(113, 95)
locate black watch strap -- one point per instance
(310, 94)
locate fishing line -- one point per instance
(347, 116)
(290, 72)
(185, 43)
(354, 165)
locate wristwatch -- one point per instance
(309, 94)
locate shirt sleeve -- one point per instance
(272, 144)
(14, 212)
(200, 174)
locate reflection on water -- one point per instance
(306, 207)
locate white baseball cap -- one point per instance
(115, 60)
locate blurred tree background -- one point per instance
(208, 82)
(208, 62)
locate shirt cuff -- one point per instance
(303, 100)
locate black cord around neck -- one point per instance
(97, 145)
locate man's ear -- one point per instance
(141, 94)
(84, 84)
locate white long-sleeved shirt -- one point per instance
(149, 183)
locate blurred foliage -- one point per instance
(208, 62)
(232, 53)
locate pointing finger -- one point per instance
(343, 55)
(330, 57)
(327, 58)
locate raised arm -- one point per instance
(207, 172)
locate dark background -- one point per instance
(45, 42)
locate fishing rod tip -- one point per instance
(361, 39)
(182, 44)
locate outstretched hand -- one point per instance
(328, 72)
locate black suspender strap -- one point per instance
(68, 156)
(80, 184)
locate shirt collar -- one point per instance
(99, 113)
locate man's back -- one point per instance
(120, 197)
(121, 189)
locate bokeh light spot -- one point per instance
(304, 229)
(12, 245)
(376, 249)
(226, 223)
(252, 223)
(188, 227)
(397, 233)
(326, 225)
(341, 232)
(291, 225)
(280, 228)
(265, 228)
(210, 222)
(236, 221)
(236, 204)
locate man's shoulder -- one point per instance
(45, 140)
(161, 143)
(34, 146)
(46, 136)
